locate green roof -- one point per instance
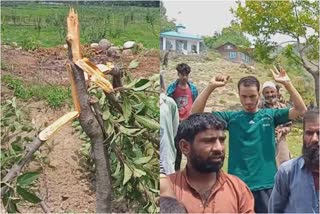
(180, 35)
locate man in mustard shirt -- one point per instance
(252, 132)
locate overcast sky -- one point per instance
(201, 17)
(205, 17)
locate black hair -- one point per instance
(249, 81)
(171, 205)
(196, 123)
(183, 68)
(310, 115)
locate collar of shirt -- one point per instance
(221, 179)
(301, 162)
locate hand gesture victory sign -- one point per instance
(280, 76)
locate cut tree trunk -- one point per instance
(88, 120)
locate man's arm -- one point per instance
(246, 200)
(200, 102)
(280, 193)
(175, 119)
(299, 108)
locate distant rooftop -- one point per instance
(180, 35)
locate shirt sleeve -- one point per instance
(279, 196)
(281, 116)
(246, 200)
(225, 115)
(175, 118)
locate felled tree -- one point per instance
(120, 124)
(296, 19)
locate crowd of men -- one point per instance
(262, 177)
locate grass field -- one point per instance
(45, 25)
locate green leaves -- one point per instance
(28, 195)
(231, 34)
(9, 203)
(16, 133)
(128, 131)
(138, 173)
(142, 85)
(27, 178)
(134, 160)
(127, 174)
(148, 122)
(127, 108)
(142, 160)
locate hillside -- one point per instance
(34, 25)
(226, 98)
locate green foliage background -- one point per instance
(231, 34)
(132, 142)
(33, 25)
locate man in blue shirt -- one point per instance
(296, 188)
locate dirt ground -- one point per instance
(48, 65)
(64, 183)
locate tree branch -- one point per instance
(89, 121)
(286, 42)
(16, 168)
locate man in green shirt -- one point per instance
(252, 132)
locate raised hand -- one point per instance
(280, 76)
(219, 81)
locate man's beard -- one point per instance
(206, 166)
(271, 99)
(310, 154)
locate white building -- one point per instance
(181, 42)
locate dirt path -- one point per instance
(63, 183)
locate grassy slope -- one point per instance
(94, 21)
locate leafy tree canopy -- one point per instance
(166, 25)
(231, 34)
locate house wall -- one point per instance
(239, 56)
(173, 42)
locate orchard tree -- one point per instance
(296, 19)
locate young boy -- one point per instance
(183, 91)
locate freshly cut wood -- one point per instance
(88, 117)
(50, 130)
(74, 92)
(96, 75)
(73, 35)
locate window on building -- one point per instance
(233, 55)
